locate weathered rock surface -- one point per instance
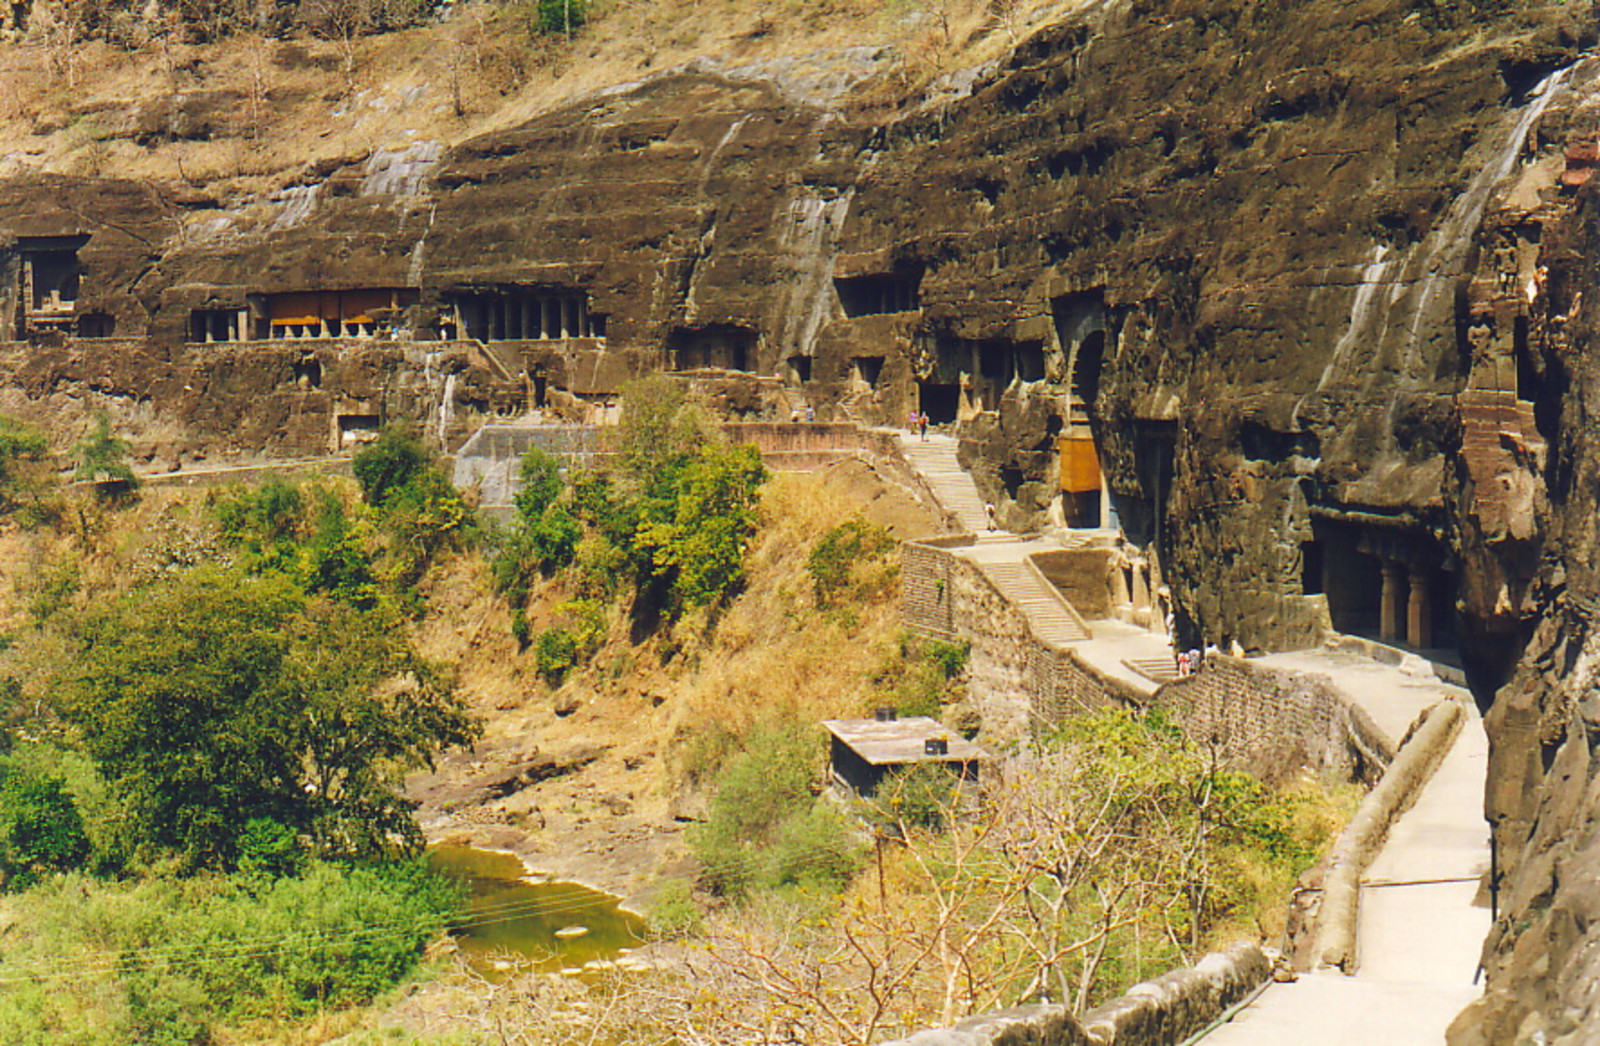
(1310, 275)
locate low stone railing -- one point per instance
(1161, 1012)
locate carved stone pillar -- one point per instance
(1419, 610)
(1390, 612)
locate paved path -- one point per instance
(1393, 695)
(1419, 933)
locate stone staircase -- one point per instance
(1046, 611)
(952, 486)
(1156, 669)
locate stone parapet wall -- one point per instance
(1019, 683)
(1161, 1012)
(1275, 721)
(490, 457)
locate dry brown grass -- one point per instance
(479, 71)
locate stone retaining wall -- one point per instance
(1018, 682)
(491, 457)
(1274, 721)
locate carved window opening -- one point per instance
(799, 369)
(1527, 372)
(880, 293)
(97, 325)
(308, 371)
(207, 326)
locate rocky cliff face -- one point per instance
(1543, 953)
(1307, 277)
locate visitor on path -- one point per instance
(922, 423)
(911, 421)
(988, 510)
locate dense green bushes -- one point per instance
(768, 827)
(672, 522)
(22, 447)
(41, 830)
(842, 562)
(361, 554)
(922, 677)
(164, 961)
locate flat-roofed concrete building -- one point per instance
(865, 751)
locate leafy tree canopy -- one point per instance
(215, 700)
(395, 459)
(102, 456)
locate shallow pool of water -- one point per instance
(510, 922)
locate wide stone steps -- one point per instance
(1022, 589)
(1155, 669)
(935, 461)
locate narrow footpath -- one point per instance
(1419, 932)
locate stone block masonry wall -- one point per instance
(1019, 683)
(1275, 722)
(926, 569)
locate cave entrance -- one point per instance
(941, 403)
(1081, 326)
(1385, 582)
(1140, 513)
(50, 282)
(358, 429)
(523, 314)
(867, 370)
(716, 347)
(876, 294)
(375, 313)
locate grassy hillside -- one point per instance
(246, 113)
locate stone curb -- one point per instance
(1361, 839)
(1165, 1010)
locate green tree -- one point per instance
(657, 434)
(102, 458)
(21, 445)
(767, 826)
(40, 828)
(698, 541)
(560, 16)
(394, 459)
(216, 699)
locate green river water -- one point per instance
(512, 922)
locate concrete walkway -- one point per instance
(1419, 932)
(1113, 647)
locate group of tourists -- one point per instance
(917, 421)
